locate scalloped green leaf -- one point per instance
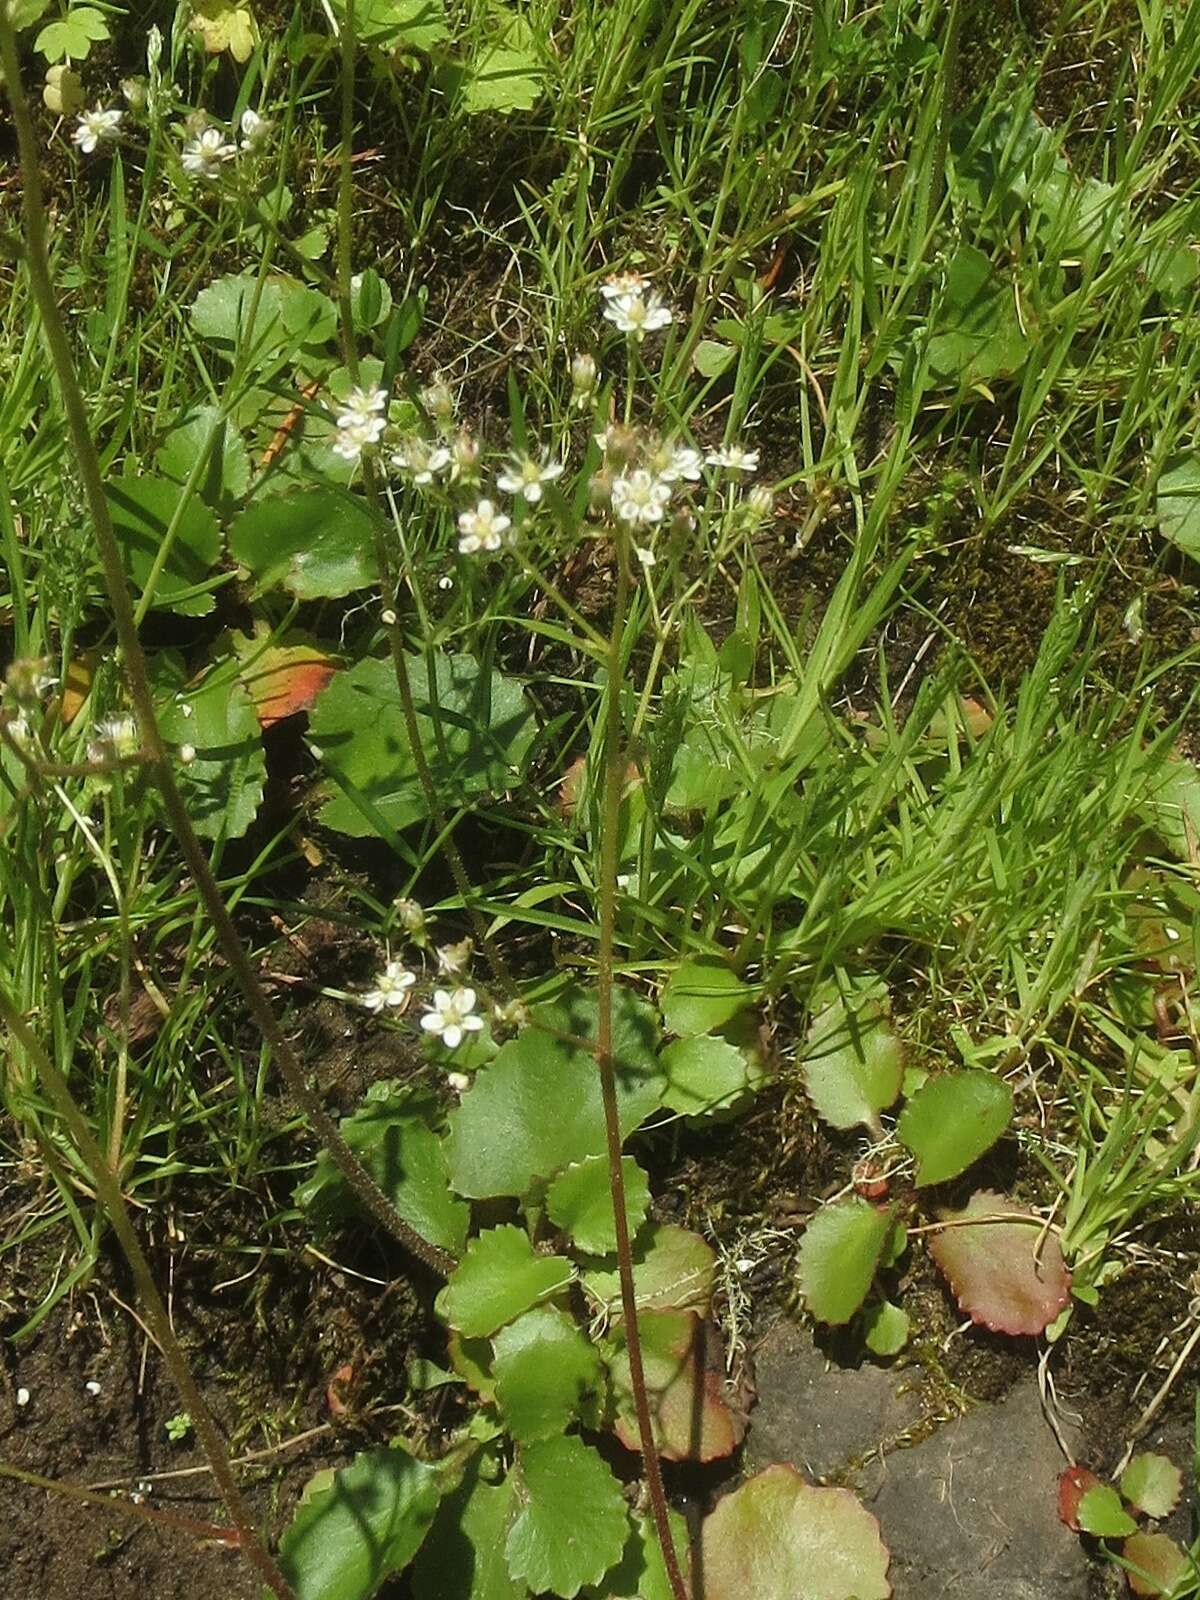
(536, 1107)
(463, 1554)
(953, 1120)
(673, 1269)
(499, 1277)
(641, 1573)
(701, 995)
(400, 24)
(1007, 1274)
(689, 1415)
(228, 316)
(1101, 1514)
(476, 729)
(976, 336)
(1179, 505)
(853, 1062)
(354, 1528)
(545, 1370)
(885, 1328)
(225, 476)
(317, 544)
(142, 510)
(392, 1138)
(779, 1538)
(222, 786)
(579, 1201)
(706, 1077)
(573, 1522)
(839, 1256)
(1152, 1483)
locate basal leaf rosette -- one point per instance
(780, 1538)
(1007, 1274)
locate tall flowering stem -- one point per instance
(153, 1309)
(157, 762)
(614, 778)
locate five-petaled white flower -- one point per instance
(622, 283)
(364, 406)
(525, 476)
(640, 498)
(671, 462)
(96, 127)
(451, 1016)
(481, 529)
(733, 458)
(391, 988)
(419, 459)
(637, 313)
(207, 153)
(256, 131)
(354, 435)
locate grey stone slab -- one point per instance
(970, 1512)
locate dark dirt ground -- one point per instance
(266, 1347)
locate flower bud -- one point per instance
(28, 680)
(583, 378)
(437, 399)
(464, 456)
(411, 918)
(136, 93)
(187, 754)
(761, 501)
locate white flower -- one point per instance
(95, 128)
(256, 131)
(481, 529)
(391, 988)
(421, 460)
(353, 437)
(458, 1081)
(733, 458)
(640, 498)
(17, 729)
(364, 405)
(115, 738)
(451, 1016)
(638, 314)
(205, 155)
(671, 462)
(454, 960)
(525, 477)
(646, 557)
(622, 283)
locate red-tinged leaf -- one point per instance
(691, 1420)
(1007, 1275)
(779, 1538)
(284, 679)
(1158, 1563)
(1073, 1484)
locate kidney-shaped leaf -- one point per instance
(779, 1538)
(355, 1527)
(688, 1413)
(573, 1523)
(706, 1077)
(545, 1368)
(839, 1255)
(703, 994)
(673, 1269)
(1101, 1513)
(142, 511)
(475, 727)
(1152, 1483)
(579, 1201)
(222, 785)
(281, 678)
(853, 1062)
(1179, 505)
(499, 1277)
(225, 476)
(318, 544)
(952, 1120)
(1007, 1275)
(536, 1107)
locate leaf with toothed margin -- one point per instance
(1152, 1483)
(572, 1524)
(1006, 1274)
(839, 1256)
(499, 1277)
(688, 1412)
(779, 1538)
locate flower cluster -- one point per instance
(450, 1015)
(360, 422)
(205, 155)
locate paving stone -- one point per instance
(970, 1512)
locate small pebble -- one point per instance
(23, 1397)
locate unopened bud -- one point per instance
(135, 92)
(464, 453)
(28, 680)
(600, 489)
(583, 377)
(388, 618)
(411, 918)
(437, 399)
(187, 754)
(761, 501)
(510, 1014)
